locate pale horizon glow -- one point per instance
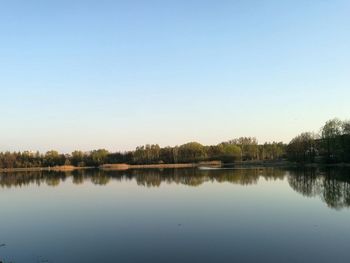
(118, 74)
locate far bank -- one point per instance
(212, 164)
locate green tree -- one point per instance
(302, 148)
(249, 147)
(330, 138)
(191, 152)
(231, 153)
(53, 158)
(77, 158)
(99, 157)
(346, 128)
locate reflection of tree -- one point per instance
(305, 182)
(146, 177)
(194, 177)
(19, 179)
(53, 181)
(336, 188)
(100, 179)
(332, 185)
(78, 178)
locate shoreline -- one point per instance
(118, 167)
(212, 164)
(124, 166)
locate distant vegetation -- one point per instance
(331, 145)
(232, 151)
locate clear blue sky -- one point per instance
(117, 74)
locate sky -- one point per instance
(117, 74)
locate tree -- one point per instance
(166, 155)
(330, 138)
(249, 147)
(231, 153)
(346, 128)
(346, 141)
(147, 154)
(77, 158)
(53, 158)
(215, 152)
(191, 152)
(302, 148)
(332, 128)
(99, 157)
(271, 151)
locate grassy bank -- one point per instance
(145, 166)
(216, 164)
(158, 166)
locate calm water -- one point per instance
(184, 215)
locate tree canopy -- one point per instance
(332, 144)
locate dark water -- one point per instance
(184, 215)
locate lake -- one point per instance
(180, 215)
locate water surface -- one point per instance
(181, 215)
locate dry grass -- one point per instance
(124, 166)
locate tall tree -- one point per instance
(330, 135)
(302, 148)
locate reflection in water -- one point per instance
(332, 185)
(148, 178)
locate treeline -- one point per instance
(330, 145)
(241, 149)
